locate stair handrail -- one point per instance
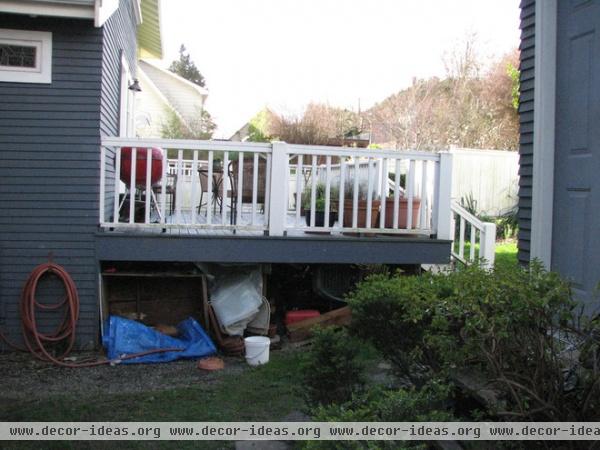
(487, 238)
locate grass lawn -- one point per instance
(506, 253)
(259, 393)
(265, 393)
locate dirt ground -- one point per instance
(23, 377)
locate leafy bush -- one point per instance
(507, 224)
(394, 326)
(430, 403)
(332, 371)
(512, 324)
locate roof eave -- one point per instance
(201, 90)
(150, 31)
(137, 6)
(98, 10)
(51, 9)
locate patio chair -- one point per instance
(170, 191)
(217, 188)
(247, 182)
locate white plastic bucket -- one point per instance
(257, 350)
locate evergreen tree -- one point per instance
(201, 124)
(185, 67)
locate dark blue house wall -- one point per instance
(49, 159)
(527, 49)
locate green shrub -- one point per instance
(394, 326)
(430, 403)
(507, 224)
(332, 370)
(512, 324)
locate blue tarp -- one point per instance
(126, 337)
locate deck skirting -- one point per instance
(317, 249)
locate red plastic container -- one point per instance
(140, 166)
(302, 314)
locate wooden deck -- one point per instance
(278, 234)
(240, 249)
(192, 243)
(184, 225)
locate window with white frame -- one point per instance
(25, 56)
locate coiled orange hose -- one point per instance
(37, 342)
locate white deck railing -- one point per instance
(279, 188)
(482, 238)
(355, 186)
(208, 171)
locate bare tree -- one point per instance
(319, 125)
(470, 107)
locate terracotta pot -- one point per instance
(402, 212)
(362, 213)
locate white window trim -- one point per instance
(544, 103)
(127, 102)
(42, 41)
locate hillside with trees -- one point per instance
(473, 106)
(470, 108)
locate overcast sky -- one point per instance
(286, 53)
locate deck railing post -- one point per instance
(444, 197)
(487, 244)
(278, 189)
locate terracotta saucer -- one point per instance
(211, 363)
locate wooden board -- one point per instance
(301, 330)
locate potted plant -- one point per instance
(402, 212)
(402, 207)
(320, 197)
(363, 193)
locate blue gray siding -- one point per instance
(119, 36)
(49, 161)
(527, 48)
(49, 168)
(119, 39)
